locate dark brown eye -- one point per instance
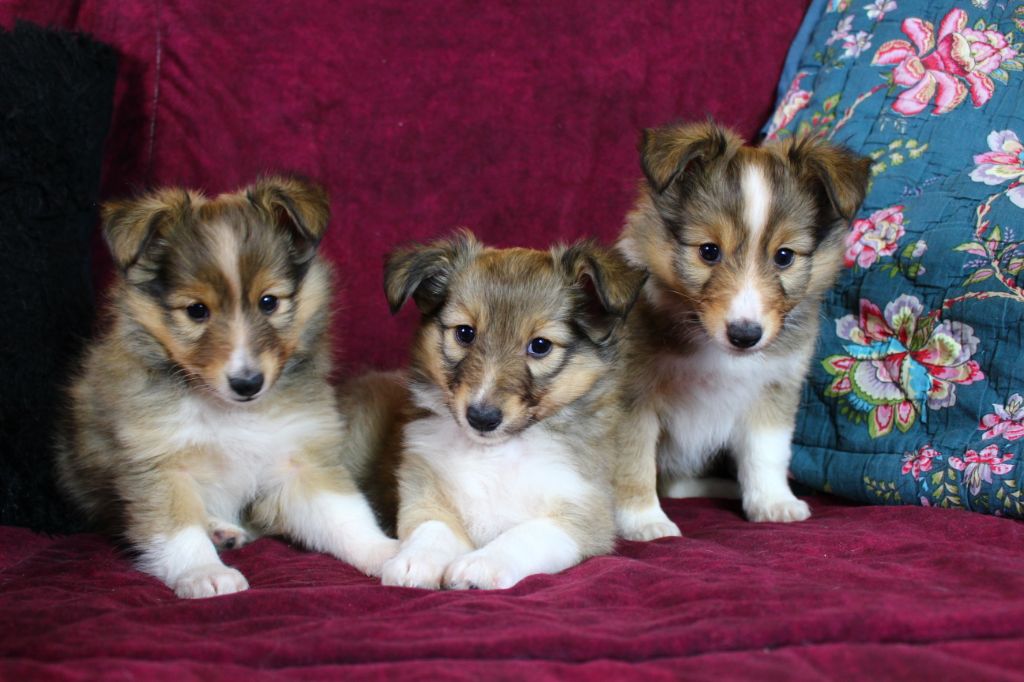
(198, 312)
(538, 347)
(268, 304)
(709, 253)
(784, 257)
(465, 334)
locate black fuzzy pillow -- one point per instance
(56, 95)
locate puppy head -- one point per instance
(510, 337)
(739, 236)
(223, 291)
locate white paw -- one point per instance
(778, 511)
(210, 580)
(421, 568)
(648, 524)
(479, 570)
(371, 556)
(226, 535)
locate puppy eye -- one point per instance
(268, 304)
(465, 334)
(709, 253)
(198, 312)
(784, 257)
(538, 347)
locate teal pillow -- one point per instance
(915, 396)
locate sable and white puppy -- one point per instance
(205, 405)
(506, 471)
(741, 244)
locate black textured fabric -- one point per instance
(56, 94)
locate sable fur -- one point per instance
(693, 391)
(485, 509)
(159, 444)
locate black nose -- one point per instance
(483, 417)
(743, 334)
(246, 386)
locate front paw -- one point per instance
(415, 568)
(649, 524)
(778, 511)
(479, 570)
(211, 580)
(226, 535)
(371, 556)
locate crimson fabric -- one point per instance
(910, 593)
(516, 119)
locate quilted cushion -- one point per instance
(916, 394)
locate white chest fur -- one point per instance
(495, 487)
(703, 399)
(233, 453)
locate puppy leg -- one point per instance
(638, 513)
(700, 487)
(541, 545)
(167, 524)
(318, 505)
(762, 463)
(226, 535)
(432, 534)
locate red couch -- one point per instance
(519, 120)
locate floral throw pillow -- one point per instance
(917, 392)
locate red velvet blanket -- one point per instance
(855, 592)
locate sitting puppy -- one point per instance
(741, 244)
(506, 472)
(207, 397)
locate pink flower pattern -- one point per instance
(945, 69)
(1007, 420)
(875, 236)
(1005, 162)
(794, 100)
(920, 461)
(979, 466)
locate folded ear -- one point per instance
(839, 176)
(666, 153)
(131, 226)
(608, 285)
(424, 272)
(298, 206)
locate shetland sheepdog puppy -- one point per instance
(506, 469)
(204, 414)
(741, 244)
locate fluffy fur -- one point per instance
(507, 463)
(203, 414)
(741, 244)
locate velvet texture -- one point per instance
(855, 593)
(56, 92)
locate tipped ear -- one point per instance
(608, 284)
(424, 272)
(130, 227)
(665, 153)
(300, 207)
(839, 175)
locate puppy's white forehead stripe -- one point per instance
(227, 249)
(746, 305)
(756, 200)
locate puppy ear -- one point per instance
(424, 272)
(300, 207)
(666, 153)
(130, 227)
(838, 175)
(608, 287)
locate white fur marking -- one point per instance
(747, 304)
(648, 523)
(424, 556)
(188, 563)
(756, 201)
(536, 546)
(762, 462)
(341, 525)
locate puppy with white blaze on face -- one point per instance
(741, 244)
(508, 454)
(203, 415)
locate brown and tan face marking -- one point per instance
(748, 228)
(221, 283)
(513, 339)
